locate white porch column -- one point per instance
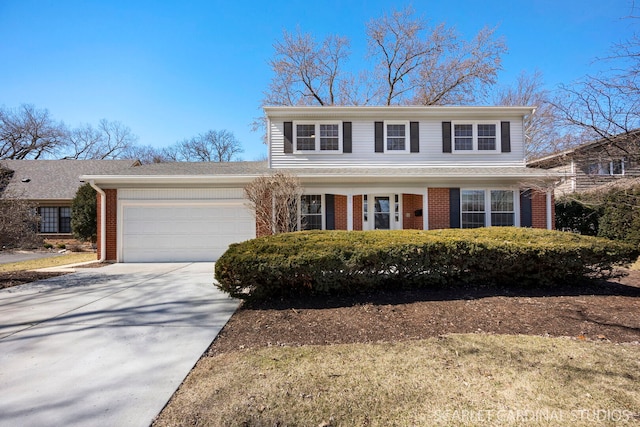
(349, 212)
(549, 201)
(425, 209)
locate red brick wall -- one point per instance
(357, 212)
(410, 204)
(340, 204)
(539, 210)
(438, 208)
(112, 224)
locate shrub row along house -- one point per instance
(361, 168)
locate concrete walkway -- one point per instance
(106, 346)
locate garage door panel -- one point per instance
(180, 231)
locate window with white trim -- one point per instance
(613, 167)
(55, 219)
(472, 208)
(470, 137)
(396, 136)
(318, 137)
(476, 204)
(502, 208)
(311, 212)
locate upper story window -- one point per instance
(396, 136)
(469, 137)
(318, 137)
(613, 167)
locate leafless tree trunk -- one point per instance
(274, 201)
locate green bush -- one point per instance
(84, 219)
(574, 216)
(620, 218)
(321, 262)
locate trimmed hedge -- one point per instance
(321, 262)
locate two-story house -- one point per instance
(600, 164)
(362, 168)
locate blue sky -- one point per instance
(172, 69)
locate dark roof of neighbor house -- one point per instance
(55, 179)
(191, 168)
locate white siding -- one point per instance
(430, 154)
(179, 193)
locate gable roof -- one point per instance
(560, 157)
(55, 179)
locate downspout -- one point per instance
(103, 221)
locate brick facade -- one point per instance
(357, 212)
(111, 225)
(340, 204)
(410, 204)
(438, 208)
(539, 210)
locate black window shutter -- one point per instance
(446, 137)
(346, 137)
(526, 215)
(330, 212)
(505, 136)
(288, 137)
(454, 207)
(379, 136)
(414, 131)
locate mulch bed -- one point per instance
(607, 311)
(14, 278)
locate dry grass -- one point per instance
(71, 258)
(636, 265)
(470, 379)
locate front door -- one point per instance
(382, 212)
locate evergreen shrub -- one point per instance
(324, 262)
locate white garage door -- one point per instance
(180, 230)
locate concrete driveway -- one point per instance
(105, 346)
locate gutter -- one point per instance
(103, 220)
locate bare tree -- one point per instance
(458, 72)
(607, 105)
(29, 133)
(412, 63)
(306, 72)
(211, 146)
(18, 216)
(145, 153)
(107, 141)
(274, 201)
(541, 135)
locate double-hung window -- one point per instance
(396, 136)
(470, 137)
(54, 219)
(318, 137)
(484, 208)
(311, 212)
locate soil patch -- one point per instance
(608, 311)
(14, 278)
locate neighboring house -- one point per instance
(362, 168)
(52, 185)
(595, 165)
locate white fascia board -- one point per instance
(282, 112)
(169, 179)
